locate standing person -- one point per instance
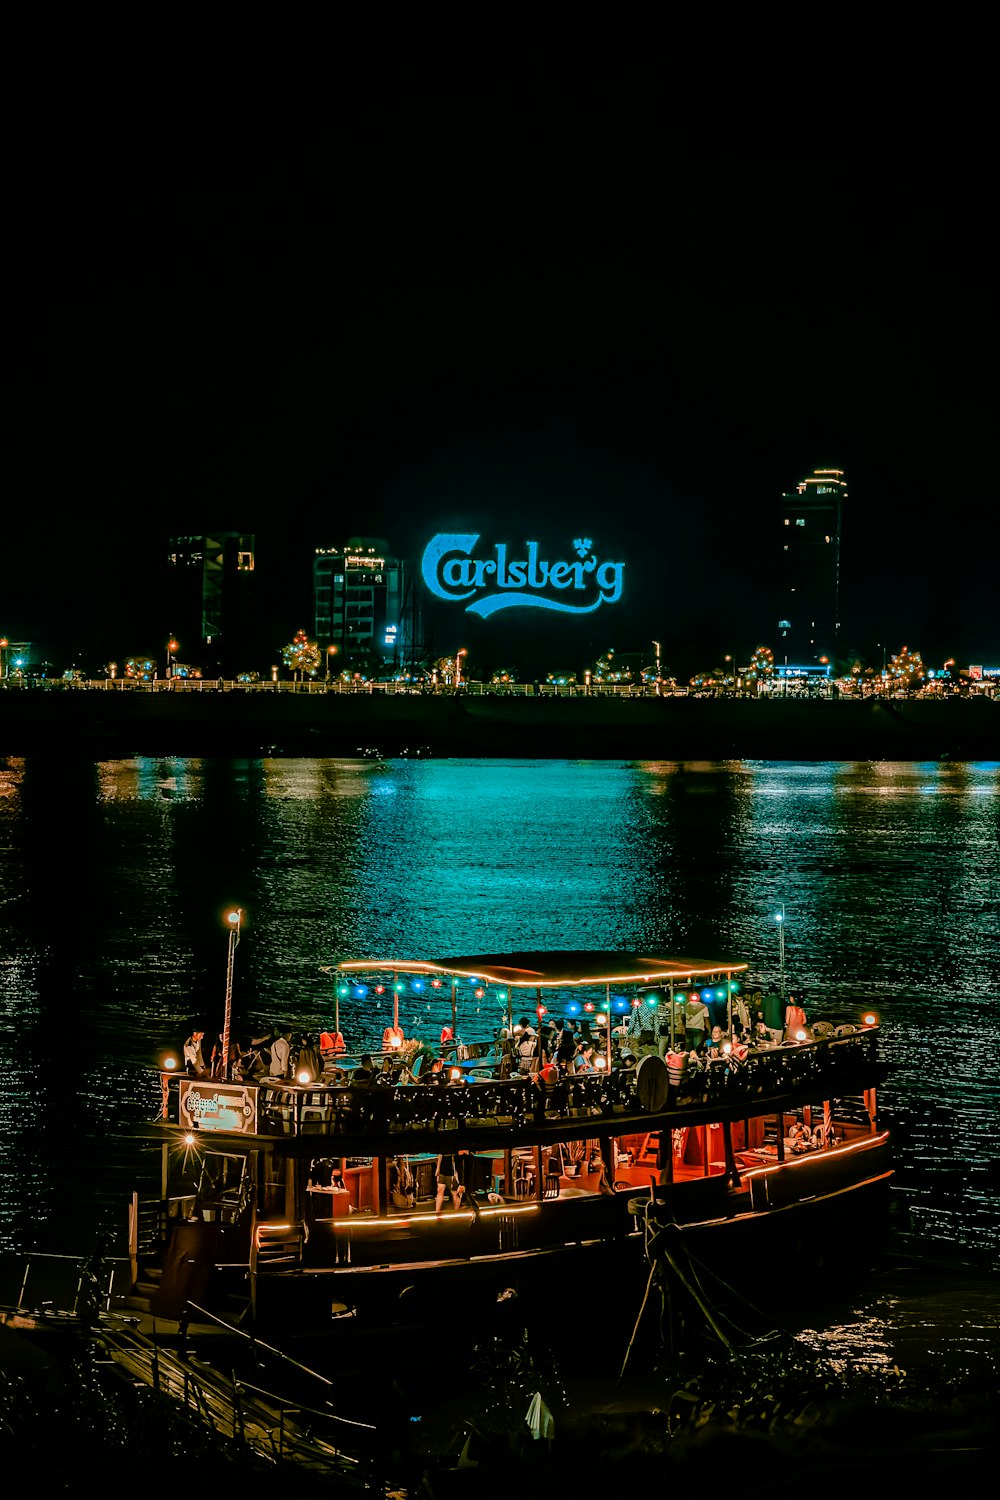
(281, 1053)
(741, 1017)
(308, 1060)
(795, 1019)
(661, 1025)
(696, 1022)
(447, 1180)
(527, 1046)
(773, 1012)
(565, 1054)
(219, 1072)
(194, 1057)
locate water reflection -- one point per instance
(114, 879)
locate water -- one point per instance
(114, 878)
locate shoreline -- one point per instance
(252, 724)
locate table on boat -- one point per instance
(330, 1202)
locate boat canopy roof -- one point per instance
(556, 969)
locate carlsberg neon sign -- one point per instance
(498, 581)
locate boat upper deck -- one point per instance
(392, 1116)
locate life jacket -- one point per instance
(331, 1041)
(676, 1068)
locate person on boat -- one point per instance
(364, 1073)
(194, 1057)
(585, 1058)
(447, 1180)
(308, 1059)
(402, 1185)
(715, 1044)
(281, 1053)
(696, 1022)
(741, 1017)
(772, 1014)
(795, 1019)
(661, 1025)
(566, 1047)
(527, 1046)
(447, 1035)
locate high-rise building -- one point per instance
(211, 601)
(809, 573)
(366, 608)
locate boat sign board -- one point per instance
(217, 1106)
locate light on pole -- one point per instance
(780, 919)
(458, 666)
(233, 918)
(4, 643)
(656, 648)
(172, 648)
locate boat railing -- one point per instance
(830, 1065)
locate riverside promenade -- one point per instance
(228, 721)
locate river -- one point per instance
(114, 877)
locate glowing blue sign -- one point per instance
(499, 582)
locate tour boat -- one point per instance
(296, 1204)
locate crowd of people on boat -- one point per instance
(690, 1035)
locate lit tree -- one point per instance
(759, 670)
(140, 669)
(906, 670)
(301, 656)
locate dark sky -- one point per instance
(319, 271)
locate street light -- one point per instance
(458, 666)
(172, 648)
(656, 648)
(233, 918)
(4, 643)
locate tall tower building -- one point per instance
(809, 570)
(211, 599)
(366, 608)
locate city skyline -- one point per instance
(302, 277)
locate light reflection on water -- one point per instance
(114, 877)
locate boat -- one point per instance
(307, 1204)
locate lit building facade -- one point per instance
(212, 601)
(366, 610)
(809, 572)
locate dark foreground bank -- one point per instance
(114, 725)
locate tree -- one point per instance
(301, 656)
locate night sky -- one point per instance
(627, 273)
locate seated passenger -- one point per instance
(715, 1043)
(364, 1073)
(585, 1058)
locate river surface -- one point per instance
(114, 877)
